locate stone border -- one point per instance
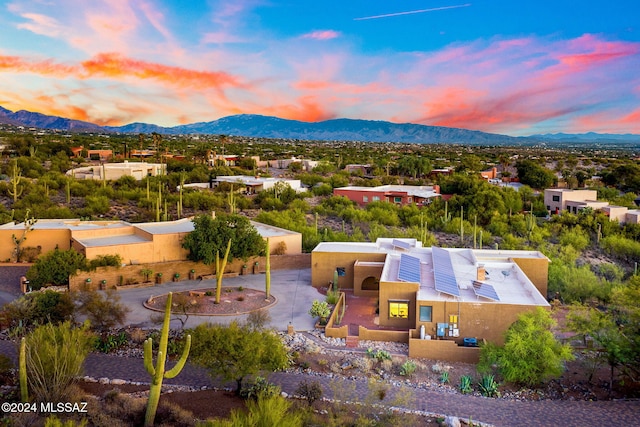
(145, 305)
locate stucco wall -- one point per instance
(482, 320)
(363, 271)
(325, 263)
(537, 270)
(442, 350)
(397, 291)
(46, 239)
(131, 273)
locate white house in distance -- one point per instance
(114, 171)
(557, 200)
(251, 184)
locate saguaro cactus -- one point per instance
(158, 372)
(22, 368)
(267, 277)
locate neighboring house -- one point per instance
(557, 199)
(151, 242)
(563, 199)
(398, 194)
(361, 169)
(255, 184)
(101, 155)
(307, 165)
(436, 299)
(114, 171)
(489, 173)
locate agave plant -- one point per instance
(465, 384)
(488, 386)
(444, 377)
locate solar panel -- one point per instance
(401, 244)
(485, 290)
(445, 279)
(409, 270)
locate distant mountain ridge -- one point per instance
(251, 125)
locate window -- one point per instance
(425, 313)
(397, 199)
(398, 309)
(376, 198)
(409, 200)
(365, 199)
(556, 198)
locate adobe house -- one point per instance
(398, 194)
(150, 242)
(442, 298)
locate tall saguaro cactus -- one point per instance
(220, 266)
(158, 372)
(22, 368)
(267, 277)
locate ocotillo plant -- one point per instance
(22, 367)
(158, 372)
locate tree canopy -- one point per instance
(530, 354)
(236, 351)
(535, 176)
(210, 237)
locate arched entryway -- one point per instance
(370, 284)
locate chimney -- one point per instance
(481, 273)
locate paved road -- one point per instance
(493, 411)
(295, 294)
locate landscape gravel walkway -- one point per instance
(498, 412)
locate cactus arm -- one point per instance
(183, 359)
(24, 392)
(148, 356)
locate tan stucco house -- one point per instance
(442, 298)
(143, 243)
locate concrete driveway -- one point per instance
(292, 288)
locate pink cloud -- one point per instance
(321, 35)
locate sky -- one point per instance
(503, 66)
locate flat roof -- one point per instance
(126, 239)
(501, 272)
(67, 224)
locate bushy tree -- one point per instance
(103, 310)
(210, 237)
(236, 351)
(531, 354)
(55, 268)
(39, 308)
(534, 175)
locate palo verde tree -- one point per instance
(531, 354)
(236, 351)
(221, 239)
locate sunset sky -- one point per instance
(503, 66)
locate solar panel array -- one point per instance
(445, 279)
(402, 244)
(409, 270)
(485, 290)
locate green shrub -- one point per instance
(55, 355)
(310, 391)
(444, 377)
(259, 387)
(378, 355)
(332, 297)
(531, 354)
(408, 368)
(265, 411)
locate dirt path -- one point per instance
(494, 411)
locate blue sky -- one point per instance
(512, 67)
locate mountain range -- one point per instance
(251, 125)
